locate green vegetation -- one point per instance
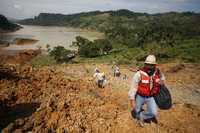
(88, 48)
(60, 54)
(131, 36)
(5, 25)
(126, 56)
(43, 60)
(56, 55)
(187, 51)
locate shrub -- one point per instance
(60, 54)
(89, 49)
(104, 45)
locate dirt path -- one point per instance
(65, 98)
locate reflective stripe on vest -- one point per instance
(145, 82)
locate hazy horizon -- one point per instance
(21, 9)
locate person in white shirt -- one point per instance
(100, 78)
(116, 71)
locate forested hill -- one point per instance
(102, 20)
(7, 26)
(84, 19)
(125, 24)
(167, 35)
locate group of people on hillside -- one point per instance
(101, 78)
(143, 86)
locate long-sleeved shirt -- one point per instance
(134, 84)
(99, 76)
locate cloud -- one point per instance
(183, 1)
(17, 6)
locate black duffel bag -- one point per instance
(163, 98)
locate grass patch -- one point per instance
(186, 51)
(126, 56)
(43, 60)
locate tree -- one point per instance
(104, 45)
(88, 48)
(60, 54)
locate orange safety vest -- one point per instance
(144, 84)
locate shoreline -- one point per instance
(32, 38)
(2, 31)
(24, 41)
(74, 29)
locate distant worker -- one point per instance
(125, 77)
(144, 85)
(96, 70)
(100, 78)
(116, 71)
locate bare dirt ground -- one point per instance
(17, 57)
(64, 98)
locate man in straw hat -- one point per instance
(144, 85)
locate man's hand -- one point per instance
(133, 69)
(133, 112)
(132, 103)
(160, 82)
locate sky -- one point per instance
(21, 9)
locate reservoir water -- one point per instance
(50, 35)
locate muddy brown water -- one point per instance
(50, 35)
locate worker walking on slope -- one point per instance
(144, 85)
(100, 78)
(116, 71)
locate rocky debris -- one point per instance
(176, 68)
(4, 44)
(62, 103)
(24, 41)
(27, 55)
(20, 57)
(54, 99)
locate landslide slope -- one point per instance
(65, 99)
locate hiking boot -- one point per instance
(141, 123)
(154, 120)
(147, 120)
(133, 114)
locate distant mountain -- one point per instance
(13, 20)
(101, 21)
(6, 25)
(83, 19)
